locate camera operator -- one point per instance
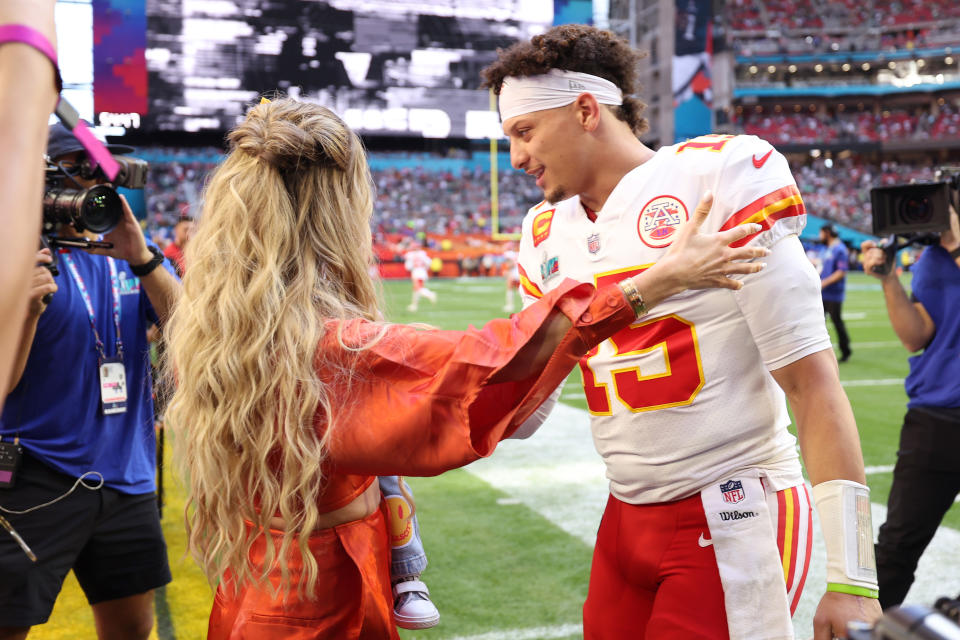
(81, 409)
(926, 478)
(28, 94)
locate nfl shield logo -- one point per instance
(593, 242)
(732, 491)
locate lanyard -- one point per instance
(115, 290)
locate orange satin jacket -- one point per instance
(421, 404)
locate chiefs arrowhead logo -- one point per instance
(659, 221)
(758, 163)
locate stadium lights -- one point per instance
(891, 65)
(921, 63)
(865, 66)
(753, 68)
(792, 68)
(818, 67)
(771, 69)
(845, 66)
(948, 60)
(814, 153)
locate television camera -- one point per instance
(907, 214)
(97, 209)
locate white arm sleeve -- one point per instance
(538, 417)
(782, 306)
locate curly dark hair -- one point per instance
(576, 47)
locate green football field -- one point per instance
(508, 558)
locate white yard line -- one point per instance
(876, 345)
(533, 633)
(881, 468)
(558, 474)
(883, 382)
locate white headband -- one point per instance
(556, 88)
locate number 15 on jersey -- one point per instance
(673, 336)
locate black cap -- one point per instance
(60, 142)
(830, 229)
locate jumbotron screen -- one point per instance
(389, 67)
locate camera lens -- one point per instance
(101, 209)
(98, 209)
(915, 209)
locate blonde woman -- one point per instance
(293, 396)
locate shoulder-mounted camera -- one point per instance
(906, 214)
(97, 208)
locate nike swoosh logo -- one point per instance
(705, 542)
(759, 163)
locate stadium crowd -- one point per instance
(413, 202)
(813, 26)
(410, 200)
(888, 125)
(751, 15)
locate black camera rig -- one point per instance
(907, 214)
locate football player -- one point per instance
(707, 502)
(417, 262)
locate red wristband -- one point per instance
(31, 37)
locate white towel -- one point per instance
(745, 543)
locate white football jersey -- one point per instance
(417, 262)
(684, 397)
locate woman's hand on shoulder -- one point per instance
(698, 260)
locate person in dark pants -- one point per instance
(833, 275)
(926, 479)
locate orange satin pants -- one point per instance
(353, 596)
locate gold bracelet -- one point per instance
(633, 296)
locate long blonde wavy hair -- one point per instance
(282, 246)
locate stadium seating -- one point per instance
(418, 199)
(414, 192)
(846, 25)
(852, 126)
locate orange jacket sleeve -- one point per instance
(421, 401)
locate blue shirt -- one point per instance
(934, 379)
(834, 258)
(55, 408)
